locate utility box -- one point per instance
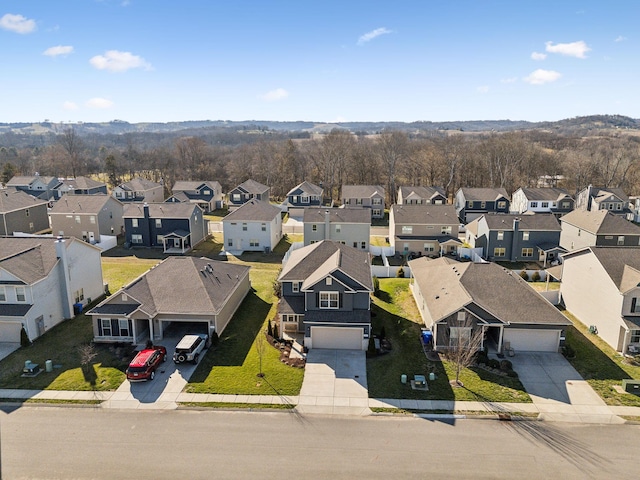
(631, 386)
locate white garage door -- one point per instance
(10, 332)
(524, 340)
(335, 337)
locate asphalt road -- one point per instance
(91, 443)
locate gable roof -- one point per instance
(82, 183)
(183, 285)
(139, 184)
(425, 214)
(320, 259)
(159, 210)
(600, 222)
(601, 193)
(538, 221)
(545, 194)
(11, 200)
(188, 185)
(447, 286)
(422, 192)
(253, 211)
(251, 186)
(180, 196)
(25, 181)
(89, 204)
(306, 187)
(336, 215)
(484, 194)
(621, 264)
(361, 191)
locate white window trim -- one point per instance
(330, 298)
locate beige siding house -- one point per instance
(87, 217)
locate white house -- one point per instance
(42, 279)
(255, 226)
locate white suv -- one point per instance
(189, 348)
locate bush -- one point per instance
(568, 352)
(371, 350)
(276, 334)
(269, 329)
(376, 286)
(506, 365)
(215, 338)
(493, 363)
(400, 273)
(24, 338)
(482, 358)
(512, 374)
(536, 276)
(524, 275)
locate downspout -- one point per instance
(61, 253)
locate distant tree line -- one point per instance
(391, 158)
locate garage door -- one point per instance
(524, 340)
(10, 332)
(335, 337)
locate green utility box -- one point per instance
(631, 386)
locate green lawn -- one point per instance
(600, 365)
(120, 271)
(217, 215)
(379, 241)
(396, 311)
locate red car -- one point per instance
(145, 363)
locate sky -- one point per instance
(322, 61)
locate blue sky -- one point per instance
(324, 61)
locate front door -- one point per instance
(92, 237)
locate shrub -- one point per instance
(269, 329)
(276, 334)
(371, 350)
(24, 338)
(277, 289)
(536, 276)
(376, 286)
(400, 273)
(512, 374)
(524, 275)
(506, 365)
(481, 358)
(493, 363)
(214, 338)
(568, 352)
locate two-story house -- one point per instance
(139, 190)
(612, 199)
(206, 194)
(41, 187)
(542, 200)
(174, 227)
(457, 299)
(367, 196)
(351, 226)
(420, 195)
(470, 203)
(254, 226)
(87, 217)
(246, 191)
(21, 212)
(202, 292)
(302, 196)
(601, 287)
(430, 230)
(516, 238)
(41, 279)
(326, 294)
(80, 186)
(586, 228)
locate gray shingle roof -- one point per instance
(26, 180)
(11, 200)
(422, 192)
(337, 215)
(539, 221)
(253, 211)
(600, 222)
(600, 193)
(621, 264)
(306, 187)
(189, 185)
(139, 184)
(424, 214)
(484, 194)
(251, 186)
(83, 183)
(545, 194)
(90, 204)
(160, 210)
(361, 191)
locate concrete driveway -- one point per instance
(7, 348)
(558, 391)
(335, 382)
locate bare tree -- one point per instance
(261, 345)
(72, 145)
(393, 148)
(464, 340)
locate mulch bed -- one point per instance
(285, 352)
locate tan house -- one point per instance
(87, 217)
(365, 196)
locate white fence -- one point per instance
(475, 254)
(294, 246)
(382, 271)
(385, 251)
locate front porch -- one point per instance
(177, 242)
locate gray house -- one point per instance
(601, 286)
(367, 196)
(80, 186)
(302, 196)
(584, 228)
(470, 203)
(542, 200)
(139, 190)
(516, 238)
(21, 212)
(40, 187)
(87, 217)
(351, 226)
(206, 194)
(420, 195)
(326, 290)
(254, 226)
(203, 292)
(612, 199)
(426, 229)
(455, 299)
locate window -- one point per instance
(21, 295)
(136, 238)
(462, 316)
(295, 287)
(158, 223)
(329, 281)
(376, 201)
(289, 318)
(621, 240)
(77, 218)
(314, 228)
(534, 204)
(206, 192)
(294, 199)
(26, 212)
(500, 235)
(376, 212)
(469, 204)
(159, 239)
(525, 236)
(502, 205)
(254, 242)
(545, 205)
(236, 197)
(3, 294)
(358, 201)
(106, 327)
(79, 295)
(435, 202)
(244, 227)
(429, 247)
(329, 299)
(635, 305)
(92, 219)
(459, 336)
(230, 243)
(338, 228)
(405, 247)
(355, 244)
(610, 205)
(566, 205)
(407, 229)
(527, 252)
(444, 230)
(134, 222)
(635, 336)
(304, 198)
(499, 252)
(483, 204)
(618, 206)
(363, 245)
(263, 227)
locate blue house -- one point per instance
(470, 203)
(43, 188)
(245, 192)
(174, 227)
(206, 194)
(80, 186)
(301, 196)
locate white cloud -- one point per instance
(367, 37)
(573, 49)
(116, 61)
(98, 102)
(483, 89)
(509, 80)
(70, 106)
(538, 56)
(17, 23)
(275, 95)
(58, 50)
(540, 77)
(620, 38)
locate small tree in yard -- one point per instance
(24, 338)
(376, 286)
(260, 347)
(464, 342)
(276, 334)
(400, 273)
(270, 329)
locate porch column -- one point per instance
(500, 339)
